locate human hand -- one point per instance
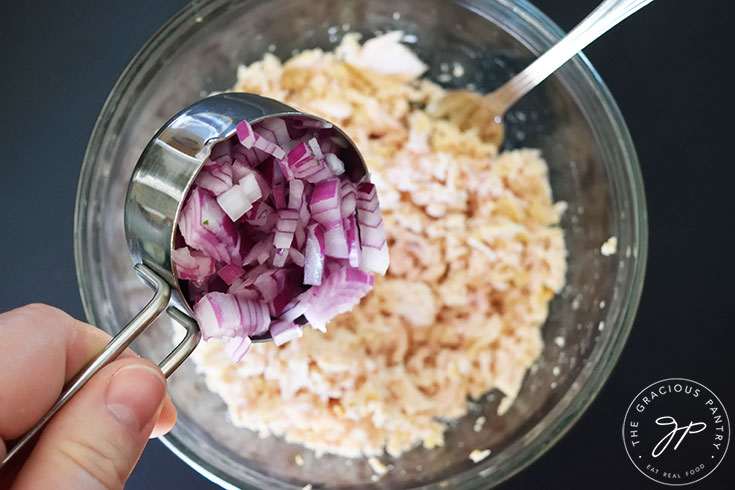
(95, 440)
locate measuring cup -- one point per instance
(160, 182)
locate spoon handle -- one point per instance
(607, 15)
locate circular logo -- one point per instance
(676, 431)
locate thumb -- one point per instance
(97, 437)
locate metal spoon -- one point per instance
(161, 180)
(485, 112)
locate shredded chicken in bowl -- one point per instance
(476, 257)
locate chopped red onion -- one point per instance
(216, 178)
(279, 196)
(263, 246)
(273, 230)
(349, 198)
(235, 202)
(294, 309)
(261, 217)
(353, 240)
(192, 266)
(296, 257)
(230, 272)
(250, 157)
(249, 278)
(267, 285)
(280, 255)
(254, 315)
(335, 164)
(314, 255)
(335, 241)
(295, 194)
(374, 255)
(250, 139)
(283, 332)
(325, 203)
(287, 222)
(237, 347)
(251, 187)
(205, 227)
(218, 315)
(339, 293)
(274, 129)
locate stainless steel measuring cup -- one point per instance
(160, 182)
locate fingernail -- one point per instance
(134, 395)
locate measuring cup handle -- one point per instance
(120, 342)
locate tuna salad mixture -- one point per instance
(476, 255)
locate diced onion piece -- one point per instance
(314, 255)
(216, 178)
(267, 285)
(280, 255)
(324, 173)
(295, 194)
(269, 147)
(353, 240)
(249, 157)
(325, 203)
(296, 257)
(230, 272)
(235, 202)
(253, 274)
(289, 286)
(335, 242)
(242, 289)
(254, 315)
(339, 293)
(279, 196)
(257, 250)
(274, 129)
(241, 171)
(245, 134)
(223, 315)
(192, 266)
(218, 315)
(347, 192)
(282, 332)
(293, 310)
(205, 227)
(285, 227)
(251, 139)
(250, 186)
(237, 347)
(315, 148)
(374, 255)
(335, 164)
(261, 217)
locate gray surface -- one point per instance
(60, 59)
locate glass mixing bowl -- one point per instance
(572, 118)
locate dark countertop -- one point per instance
(60, 59)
